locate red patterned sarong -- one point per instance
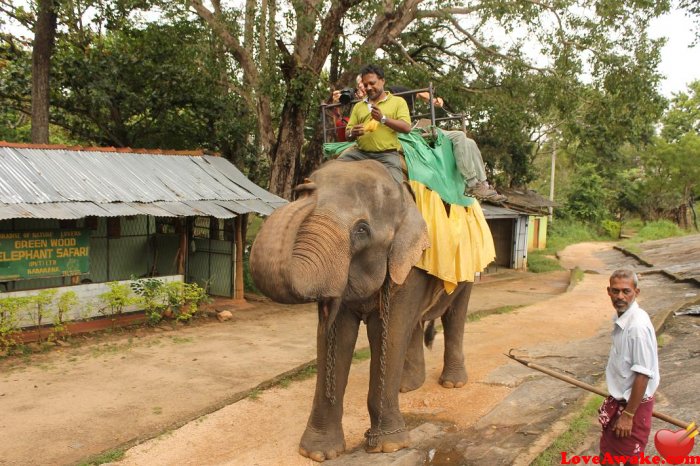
(633, 445)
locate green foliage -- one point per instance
(562, 233)
(154, 297)
(116, 299)
(10, 312)
(573, 436)
(106, 457)
(66, 303)
(192, 296)
(125, 78)
(666, 181)
(176, 299)
(588, 196)
(361, 355)
(654, 230)
(248, 283)
(683, 116)
(38, 308)
(611, 228)
(539, 262)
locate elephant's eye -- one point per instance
(360, 230)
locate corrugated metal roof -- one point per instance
(491, 211)
(64, 183)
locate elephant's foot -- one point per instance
(455, 378)
(321, 446)
(386, 443)
(412, 381)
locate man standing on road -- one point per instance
(375, 122)
(632, 373)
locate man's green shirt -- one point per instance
(383, 138)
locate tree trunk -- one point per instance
(313, 155)
(287, 150)
(44, 34)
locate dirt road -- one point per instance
(79, 401)
(266, 430)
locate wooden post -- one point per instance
(238, 288)
(182, 250)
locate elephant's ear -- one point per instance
(410, 240)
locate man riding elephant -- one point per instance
(375, 122)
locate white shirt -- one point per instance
(633, 351)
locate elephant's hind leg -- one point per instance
(413, 375)
(323, 438)
(454, 372)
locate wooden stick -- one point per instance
(591, 388)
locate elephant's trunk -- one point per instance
(295, 256)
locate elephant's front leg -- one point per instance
(454, 372)
(388, 430)
(323, 438)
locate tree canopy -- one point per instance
(246, 79)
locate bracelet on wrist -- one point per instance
(628, 413)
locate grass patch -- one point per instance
(573, 436)
(157, 410)
(653, 230)
(181, 340)
(106, 457)
(661, 340)
(305, 373)
(361, 355)
(540, 262)
(578, 275)
(562, 233)
(506, 309)
(499, 310)
(111, 348)
(254, 394)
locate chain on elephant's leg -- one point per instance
(330, 364)
(323, 438)
(387, 432)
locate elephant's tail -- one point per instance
(429, 334)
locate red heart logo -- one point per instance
(673, 446)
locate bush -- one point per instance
(588, 198)
(10, 309)
(611, 228)
(116, 299)
(154, 297)
(66, 302)
(658, 230)
(38, 308)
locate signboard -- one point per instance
(38, 254)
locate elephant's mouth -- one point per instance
(328, 310)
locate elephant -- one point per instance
(349, 242)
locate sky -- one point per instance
(680, 63)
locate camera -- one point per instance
(347, 95)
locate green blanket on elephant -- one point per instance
(434, 166)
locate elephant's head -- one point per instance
(350, 222)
